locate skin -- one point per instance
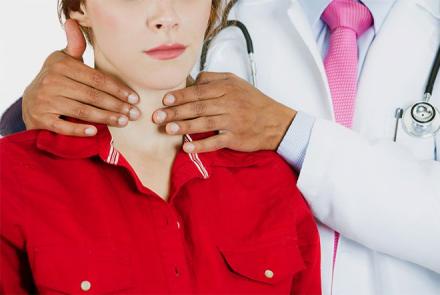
(122, 31)
(247, 119)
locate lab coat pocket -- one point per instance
(268, 263)
(69, 270)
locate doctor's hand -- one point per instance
(66, 86)
(247, 120)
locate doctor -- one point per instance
(331, 75)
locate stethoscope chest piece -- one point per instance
(421, 119)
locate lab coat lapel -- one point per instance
(403, 48)
(304, 30)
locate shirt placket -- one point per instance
(171, 245)
(164, 218)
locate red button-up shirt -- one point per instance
(75, 218)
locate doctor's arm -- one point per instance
(375, 193)
(66, 87)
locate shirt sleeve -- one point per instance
(308, 281)
(15, 273)
(12, 120)
(294, 145)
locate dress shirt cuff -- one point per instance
(294, 145)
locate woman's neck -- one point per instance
(143, 136)
(145, 145)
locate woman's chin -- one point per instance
(163, 82)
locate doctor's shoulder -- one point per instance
(228, 53)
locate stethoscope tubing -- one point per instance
(433, 75)
(400, 113)
(249, 48)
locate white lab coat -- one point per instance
(383, 197)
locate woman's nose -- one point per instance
(164, 18)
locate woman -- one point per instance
(128, 211)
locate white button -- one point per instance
(85, 286)
(268, 273)
(178, 225)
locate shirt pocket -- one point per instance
(69, 270)
(268, 263)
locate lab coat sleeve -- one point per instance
(375, 193)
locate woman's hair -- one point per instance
(215, 20)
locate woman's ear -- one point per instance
(81, 16)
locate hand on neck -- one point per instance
(143, 135)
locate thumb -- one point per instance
(76, 43)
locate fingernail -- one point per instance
(133, 98)
(170, 99)
(189, 147)
(160, 116)
(90, 131)
(134, 114)
(173, 128)
(122, 121)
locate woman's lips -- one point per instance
(166, 52)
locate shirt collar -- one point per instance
(185, 167)
(378, 8)
(70, 147)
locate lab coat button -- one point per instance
(268, 274)
(86, 286)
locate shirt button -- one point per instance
(178, 225)
(86, 286)
(268, 274)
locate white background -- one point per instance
(29, 32)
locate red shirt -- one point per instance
(75, 218)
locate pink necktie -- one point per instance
(347, 20)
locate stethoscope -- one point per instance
(421, 119)
(246, 35)
(249, 47)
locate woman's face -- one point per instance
(126, 32)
